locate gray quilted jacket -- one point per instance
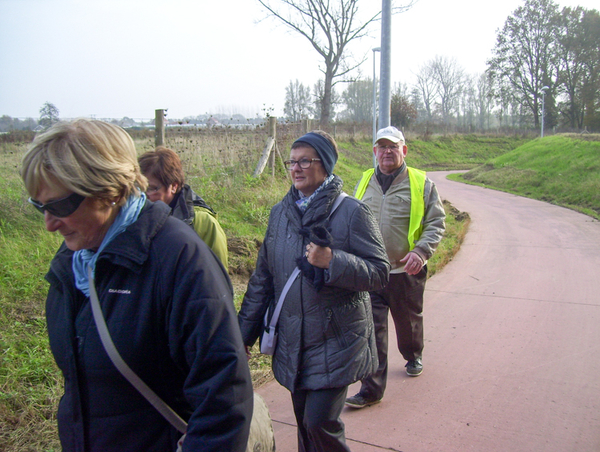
(325, 338)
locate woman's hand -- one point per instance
(319, 256)
(248, 352)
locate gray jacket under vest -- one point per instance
(392, 213)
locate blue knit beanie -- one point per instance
(324, 148)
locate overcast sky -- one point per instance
(116, 58)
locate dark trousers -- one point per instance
(403, 297)
(320, 428)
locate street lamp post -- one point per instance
(376, 49)
(543, 90)
(385, 64)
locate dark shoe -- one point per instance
(360, 401)
(414, 368)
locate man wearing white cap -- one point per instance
(411, 219)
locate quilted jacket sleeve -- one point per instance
(259, 295)
(360, 263)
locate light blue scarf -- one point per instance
(83, 259)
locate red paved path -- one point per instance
(512, 329)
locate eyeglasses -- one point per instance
(304, 163)
(391, 147)
(61, 207)
(153, 189)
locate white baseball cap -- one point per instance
(390, 133)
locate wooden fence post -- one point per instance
(306, 125)
(159, 128)
(272, 127)
(272, 131)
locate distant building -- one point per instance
(212, 122)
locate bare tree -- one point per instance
(330, 26)
(510, 109)
(449, 77)
(317, 97)
(297, 101)
(417, 102)
(483, 101)
(427, 86)
(467, 111)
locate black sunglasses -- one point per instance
(61, 207)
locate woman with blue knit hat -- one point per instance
(325, 336)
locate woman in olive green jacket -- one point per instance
(166, 183)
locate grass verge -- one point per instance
(561, 169)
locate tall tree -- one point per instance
(525, 54)
(48, 115)
(402, 112)
(467, 111)
(579, 58)
(330, 26)
(6, 123)
(358, 99)
(297, 101)
(591, 56)
(483, 101)
(427, 87)
(317, 100)
(417, 102)
(449, 77)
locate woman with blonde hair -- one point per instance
(165, 299)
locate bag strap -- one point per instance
(168, 413)
(337, 203)
(295, 273)
(286, 288)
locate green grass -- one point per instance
(561, 169)
(30, 383)
(219, 167)
(459, 151)
(444, 152)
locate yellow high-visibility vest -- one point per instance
(416, 179)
